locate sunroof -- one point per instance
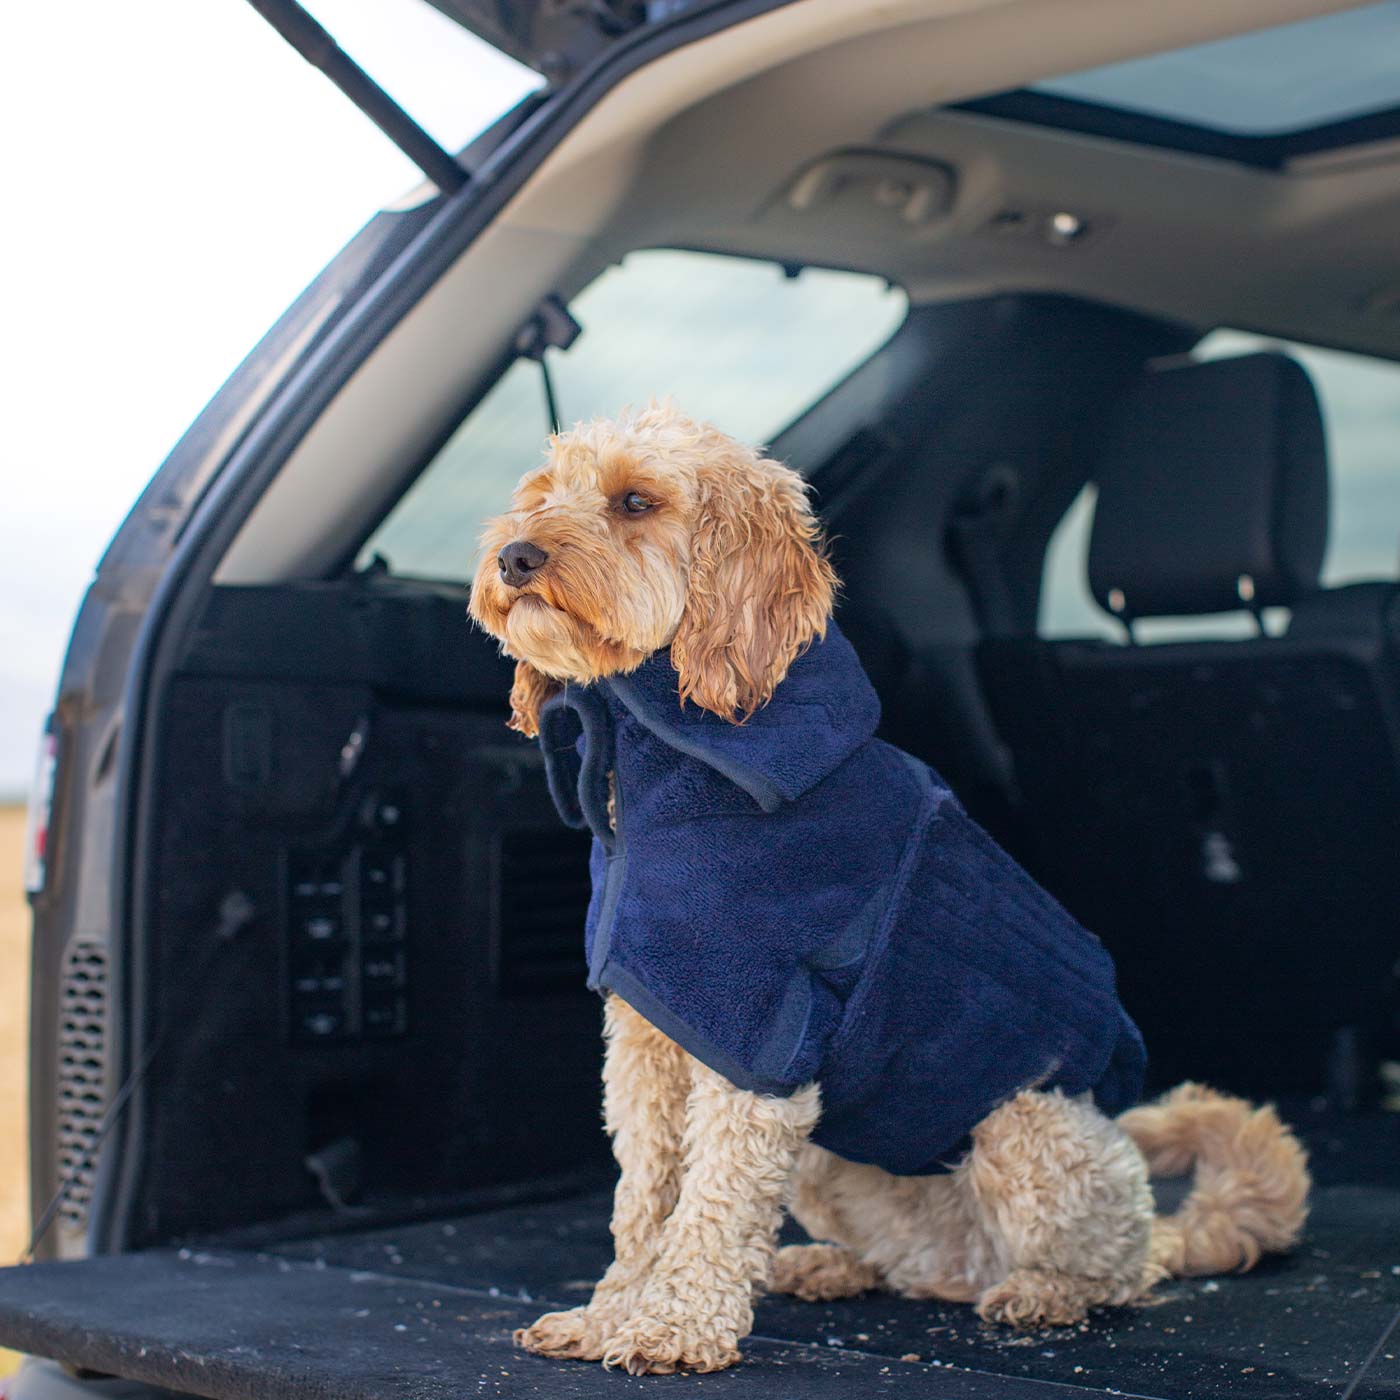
(1273, 82)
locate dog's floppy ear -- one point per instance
(531, 689)
(760, 586)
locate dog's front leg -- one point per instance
(646, 1078)
(717, 1246)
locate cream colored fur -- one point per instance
(1050, 1213)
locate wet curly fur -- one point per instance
(662, 532)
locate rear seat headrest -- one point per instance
(1212, 490)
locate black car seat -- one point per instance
(1225, 814)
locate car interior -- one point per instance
(1097, 396)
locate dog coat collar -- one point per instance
(824, 711)
(791, 899)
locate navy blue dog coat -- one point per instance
(792, 899)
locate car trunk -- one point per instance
(370, 1121)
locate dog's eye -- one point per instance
(634, 503)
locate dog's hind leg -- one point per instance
(717, 1247)
(1065, 1193)
(646, 1078)
(920, 1236)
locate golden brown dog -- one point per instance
(654, 531)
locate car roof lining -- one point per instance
(647, 167)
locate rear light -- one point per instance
(36, 841)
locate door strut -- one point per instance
(320, 50)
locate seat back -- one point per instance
(1226, 815)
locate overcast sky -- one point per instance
(175, 175)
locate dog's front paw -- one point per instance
(576, 1334)
(655, 1348)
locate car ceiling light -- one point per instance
(1063, 228)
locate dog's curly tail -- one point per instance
(1250, 1193)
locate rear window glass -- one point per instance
(1360, 400)
(739, 343)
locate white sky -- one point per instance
(173, 176)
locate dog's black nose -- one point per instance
(518, 560)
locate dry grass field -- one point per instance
(14, 1030)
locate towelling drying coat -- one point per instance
(791, 899)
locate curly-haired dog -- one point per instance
(925, 1050)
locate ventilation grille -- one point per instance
(82, 1061)
(544, 886)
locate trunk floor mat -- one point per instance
(424, 1311)
(1293, 1329)
(239, 1326)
